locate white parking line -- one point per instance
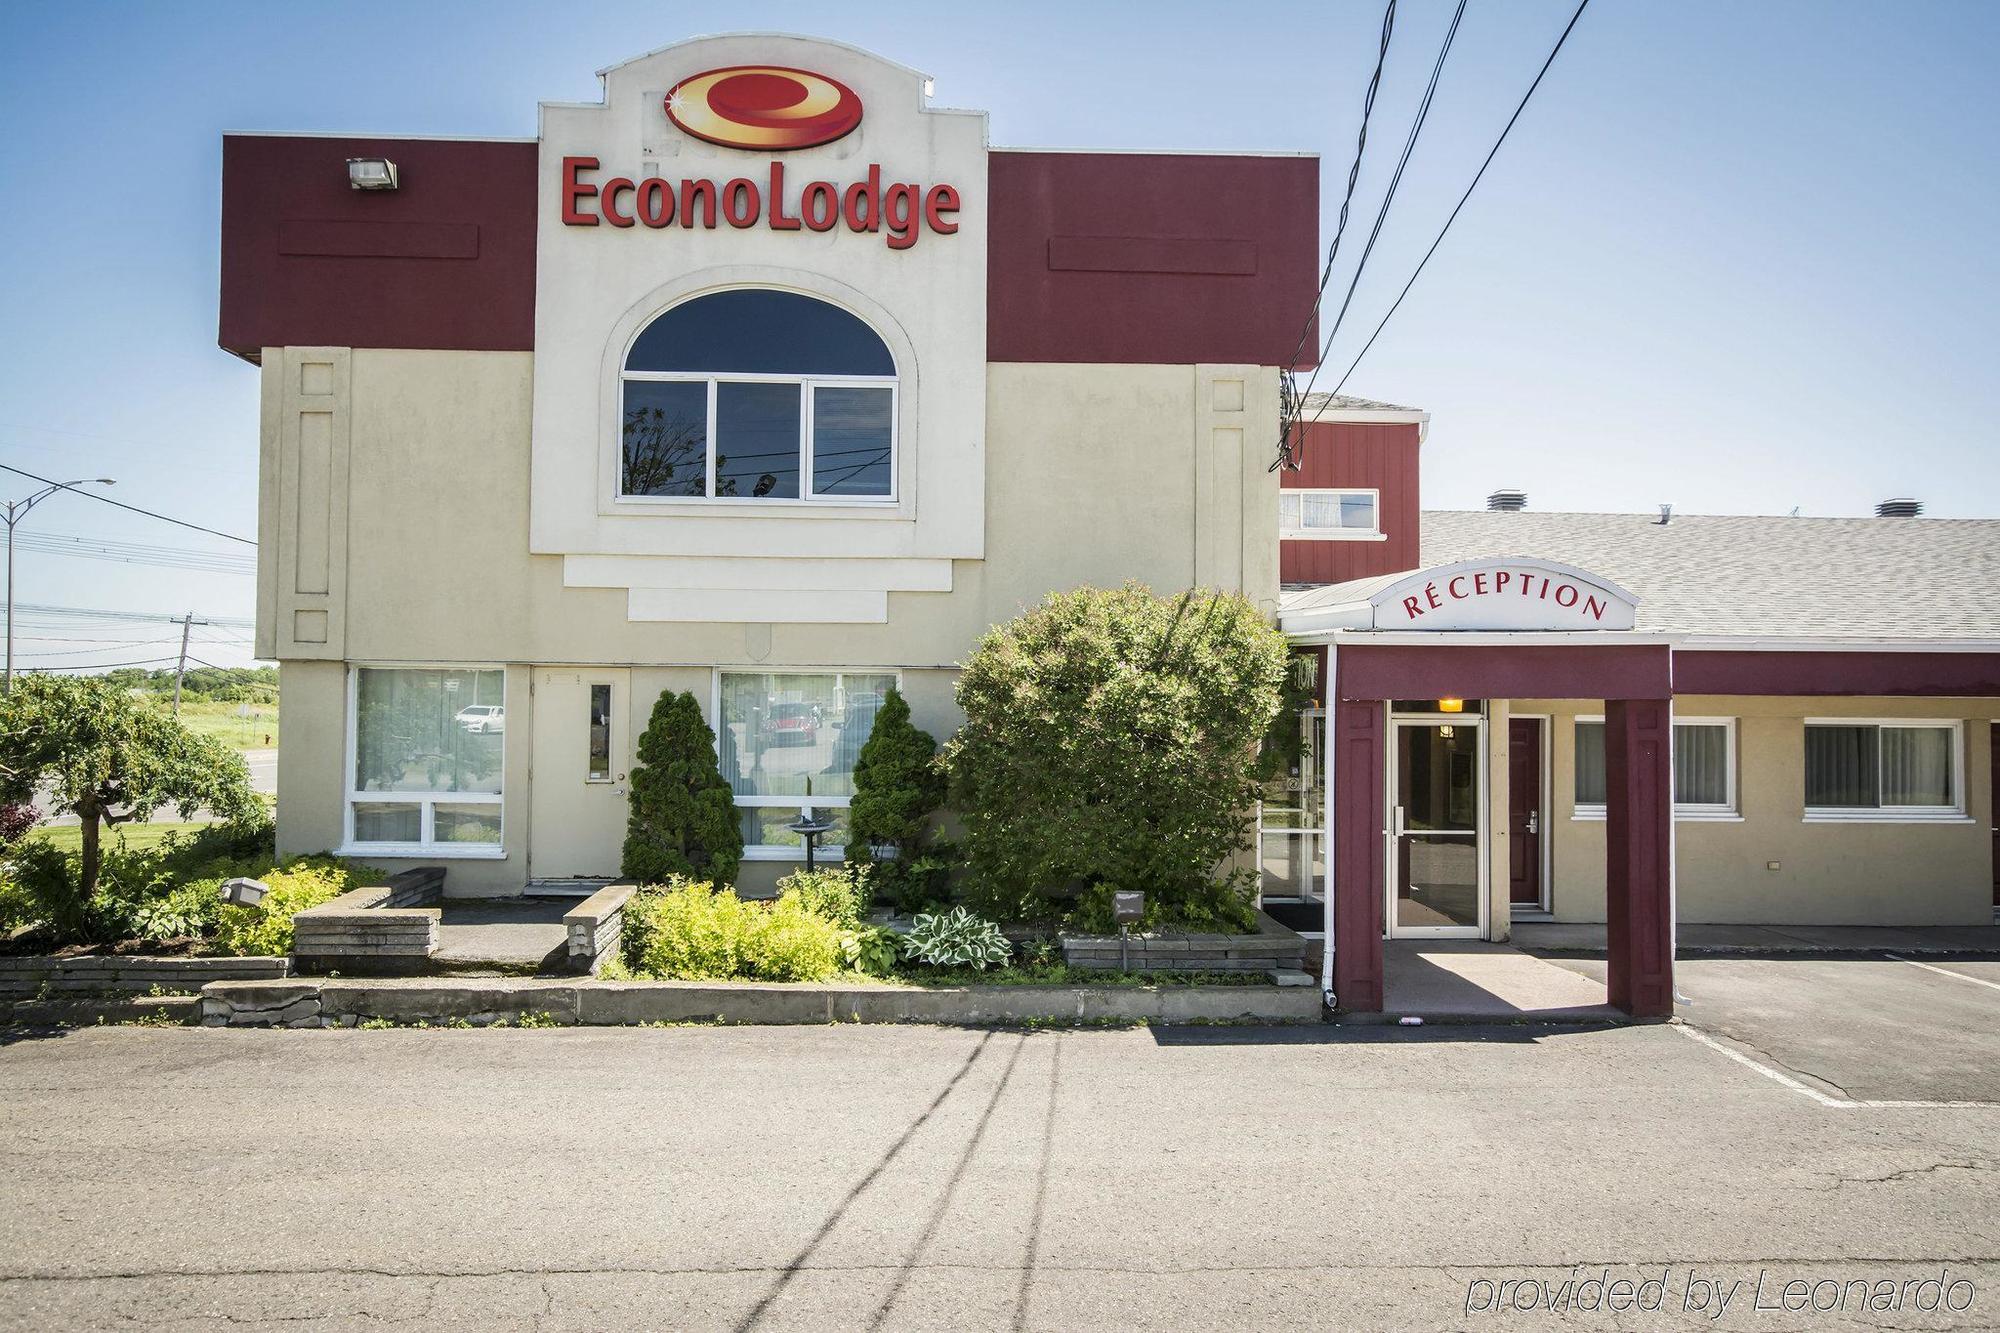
(1832, 1103)
(1947, 972)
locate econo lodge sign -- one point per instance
(765, 109)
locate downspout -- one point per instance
(1674, 850)
(1328, 768)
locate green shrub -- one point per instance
(683, 821)
(689, 932)
(872, 950)
(898, 786)
(839, 894)
(957, 939)
(307, 881)
(167, 891)
(1110, 741)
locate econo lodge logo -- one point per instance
(764, 108)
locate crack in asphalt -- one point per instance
(727, 1270)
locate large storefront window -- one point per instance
(1883, 770)
(1291, 818)
(1704, 768)
(427, 755)
(778, 732)
(751, 394)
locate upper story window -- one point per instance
(1344, 515)
(754, 394)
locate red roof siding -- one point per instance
(447, 260)
(1380, 456)
(1159, 258)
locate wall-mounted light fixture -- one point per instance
(1451, 705)
(371, 173)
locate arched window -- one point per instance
(751, 394)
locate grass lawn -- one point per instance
(218, 719)
(69, 837)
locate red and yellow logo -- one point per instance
(765, 108)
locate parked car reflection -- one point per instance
(482, 717)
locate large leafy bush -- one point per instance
(839, 895)
(1110, 743)
(688, 931)
(956, 939)
(683, 821)
(168, 891)
(898, 786)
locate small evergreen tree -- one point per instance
(683, 814)
(898, 786)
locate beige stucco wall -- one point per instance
(1825, 873)
(1095, 474)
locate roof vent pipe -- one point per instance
(1900, 507)
(1666, 514)
(1508, 502)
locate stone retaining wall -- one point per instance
(329, 1003)
(595, 927)
(131, 972)
(390, 924)
(1274, 947)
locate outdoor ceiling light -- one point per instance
(371, 173)
(1451, 705)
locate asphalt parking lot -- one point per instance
(881, 1177)
(1873, 1028)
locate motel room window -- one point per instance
(1704, 768)
(754, 394)
(1330, 515)
(779, 731)
(1883, 770)
(427, 747)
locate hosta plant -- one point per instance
(870, 950)
(956, 939)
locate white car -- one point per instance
(482, 717)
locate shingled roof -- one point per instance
(1781, 578)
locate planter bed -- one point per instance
(1272, 947)
(481, 1001)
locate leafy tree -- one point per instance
(94, 749)
(1110, 743)
(898, 786)
(683, 814)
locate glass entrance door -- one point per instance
(1437, 812)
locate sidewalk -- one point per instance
(1558, 939)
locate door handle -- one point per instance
(1396, 824)
(1534, 821)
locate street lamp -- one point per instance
(16, 510)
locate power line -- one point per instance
(136, 553)
(1288, 397)
(105, 499)
(97, 613)
(1388, 198)
(1553, 53)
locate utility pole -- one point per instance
(188, 622)
(14, 512)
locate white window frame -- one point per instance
(1374, 534)
(825, 851)
(1728, 812)
(1314, 833)
(426, 847)
(807, 385)
(1953, 813)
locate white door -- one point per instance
(1437, 825)
(577, 803)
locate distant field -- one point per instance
(220, 721)
(69, 837)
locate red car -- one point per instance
(791, 724)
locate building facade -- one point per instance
(670, 399)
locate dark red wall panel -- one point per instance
(446, 261)
(1161, 258)
(1377, 455)
(1584, 671)
(1936, 675)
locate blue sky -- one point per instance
(1736, 256)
